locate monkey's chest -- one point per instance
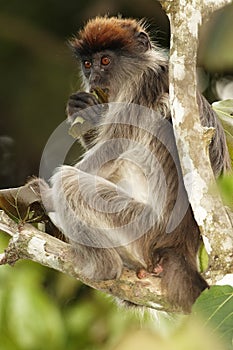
(128, 176)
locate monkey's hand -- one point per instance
(83, 111)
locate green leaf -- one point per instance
(224, 110)
(203, 258)
(216, 307)
(225, 185)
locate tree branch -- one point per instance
(27, 242)
(192, 139)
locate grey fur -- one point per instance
(124, 203)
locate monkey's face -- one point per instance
(112, 52)
(99, 71)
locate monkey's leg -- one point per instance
(97, 263)
(101, 205)
(117, 222)
(93, 259)
(99, 218)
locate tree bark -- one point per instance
(192, 139)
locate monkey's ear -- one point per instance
(144, 40)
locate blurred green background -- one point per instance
(40, 308)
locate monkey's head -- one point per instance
(111, 52)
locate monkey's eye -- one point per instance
(87, 64)
(105, 60)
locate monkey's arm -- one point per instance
(83, 117)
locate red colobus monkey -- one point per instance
(124, 203)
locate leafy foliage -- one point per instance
(216, 308)
(203, 258)
(224, 110)
(43, 309)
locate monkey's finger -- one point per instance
(77, 104)
(86, 97)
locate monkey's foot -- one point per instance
(158, 269)
(142, 273)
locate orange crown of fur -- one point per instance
(102, 33)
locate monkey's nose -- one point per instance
(94, 79)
